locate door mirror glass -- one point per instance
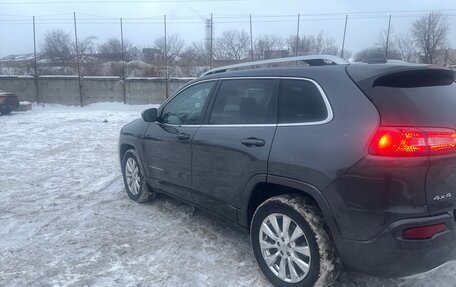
(149, 115)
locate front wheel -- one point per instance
(134, 178)
(290, 244)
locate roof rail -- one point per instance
(311, 60)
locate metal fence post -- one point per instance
(166, 59)
(212, 42)
(343, 40)
(251, 38)
(387, 37)
(123, 62)
(77, 59)
(297, 35)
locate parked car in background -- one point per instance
(8, 102)
(326, 165)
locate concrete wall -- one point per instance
(65, 89)
(101, 89)
(23, 86)
(59, 90)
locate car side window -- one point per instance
(186, 107)
(245, 101)
(301, 102)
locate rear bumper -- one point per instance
(388, 255)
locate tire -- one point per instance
(313, 250)
(139, 191)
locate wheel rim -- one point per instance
(132, 175)
(284, 248)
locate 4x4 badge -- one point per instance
(440, 197)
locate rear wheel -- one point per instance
(134, 178)
(290, 243)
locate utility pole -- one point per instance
(36, 64)
(428, 54)
(251, 39)
(123, 62)
(77, 59)
(343, 40)
(387, 37)
(166, 58)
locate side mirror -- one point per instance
(149, 115)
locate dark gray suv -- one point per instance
(327, 164)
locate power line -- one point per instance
(113, 2)
(189, 20)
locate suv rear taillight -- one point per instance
(406, 141)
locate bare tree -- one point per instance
(174, 47)
(430, 35)
(87, 45)
(306, 45)
(325, 45)
(112, 49)
(384, 39)
(58, 46)
(406, 47)
(196, 54)
(265, 44)
(310, 45)
(232, 45)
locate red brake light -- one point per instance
(397, 141)
(423, 232)
(442, 141)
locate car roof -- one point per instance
(358, 71)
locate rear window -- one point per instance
(245, 101)
(301, 102)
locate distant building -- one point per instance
(134, 54)
(19, 58)
(151, 54)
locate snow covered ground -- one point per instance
(65, 219)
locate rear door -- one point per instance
(167, 142)
(233, 144)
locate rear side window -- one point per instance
(417, 106)
(249, 101)
(301, 102)
(425, 97)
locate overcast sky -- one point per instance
(101, 19)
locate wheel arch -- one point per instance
(258, 191)
(123, 147)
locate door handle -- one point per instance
(183, 136)
(253, 142)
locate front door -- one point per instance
(233, 144)
(167, 142)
